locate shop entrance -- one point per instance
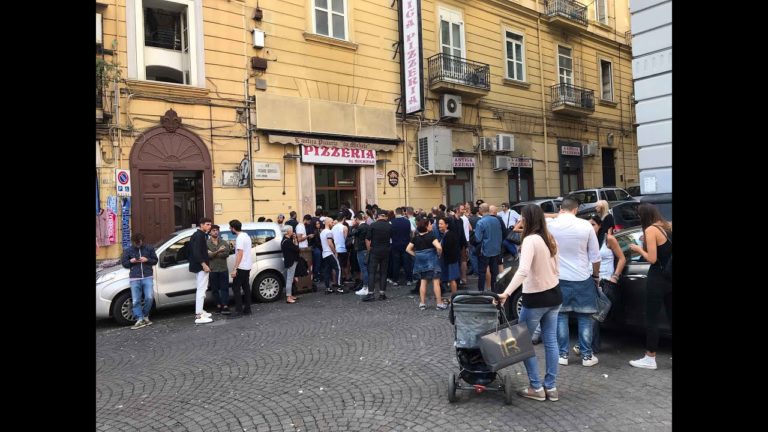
(336, 185)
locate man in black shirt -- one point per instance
(378, 244)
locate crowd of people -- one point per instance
(563, 262)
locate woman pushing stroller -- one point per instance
(538, 272)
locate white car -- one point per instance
(175, 285)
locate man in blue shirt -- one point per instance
(488, 234)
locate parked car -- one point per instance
(629, 308)
(175, 285)
(549, 205)
(624, 214)
(663, 201)
(588, 197)
(634, 191)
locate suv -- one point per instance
(588, 197)
(624, 214)
(175, 285)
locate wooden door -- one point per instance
(157, 211)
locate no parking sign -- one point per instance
(123, 182)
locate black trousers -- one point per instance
(658, 292)
(241, 281)
(377, 269)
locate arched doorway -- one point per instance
(171, 167)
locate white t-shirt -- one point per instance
(243, 242)
(301, 229)
(576, 245)
(510, 217)
(324, 236)
(465, 220)
(338, 237)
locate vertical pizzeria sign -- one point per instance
(411, 59)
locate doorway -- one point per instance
(187, 198)
(609, 167)
(460, 187)
(336, 185)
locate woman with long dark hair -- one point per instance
(657, 249)
(539, 273)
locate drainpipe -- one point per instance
(543, 107)
(250, 145)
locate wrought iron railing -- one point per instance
(570, 95)
(569, 9)
(447, 68)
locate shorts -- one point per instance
(343, 259)
(427, 274)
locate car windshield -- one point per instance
(587, 197)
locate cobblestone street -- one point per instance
(332, 363)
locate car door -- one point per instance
(631, 292)
(174, 283)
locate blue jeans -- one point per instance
(220, 286)
(362, 261)
(511, 248)
(139, 287)
(585, 334)
(317, 262)
(547, 317)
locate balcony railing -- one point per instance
(447, 68)
(99, 97)
(568, 9)
(567, 95)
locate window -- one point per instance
(166, 48)
(565, 65)
(331, 20)
(601, 11)
(606, 80)
(515, 57)
(610, 195)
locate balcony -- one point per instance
(571, 100)
(568, 14)
(457, 75)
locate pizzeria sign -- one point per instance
(337, 156)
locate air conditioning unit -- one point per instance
(435, 151)
(589, 149)
(99, 34)
(505, 142)
(450, 106)
(487, 144)
(502, 163)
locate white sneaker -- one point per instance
(590, 361)
(362, 291)
(646, 362)
(203, 320)
(562, 360)
(206, 314)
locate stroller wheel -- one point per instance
(452, 387)
(509, 392)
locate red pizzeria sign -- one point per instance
(570, 150)
(337, 156)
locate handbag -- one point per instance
(507, 345)
(603, 306)
(514, 237)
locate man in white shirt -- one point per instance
(340, 232)
(510, 218)
(242, 270)
(330, 262)
(579, 254)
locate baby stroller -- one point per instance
(473, 313)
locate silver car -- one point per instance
(175, 285)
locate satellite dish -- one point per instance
(245, 172)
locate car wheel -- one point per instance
(122, 308)
(267, 287)
(517, 303)
(452, 387)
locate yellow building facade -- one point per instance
(521, 99)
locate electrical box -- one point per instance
(258, 63)
(258, 38)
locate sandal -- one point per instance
(290, 300)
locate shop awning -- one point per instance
(327, 140)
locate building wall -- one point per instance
(365, 72)
(652, 70)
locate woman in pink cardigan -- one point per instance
(538, 272)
